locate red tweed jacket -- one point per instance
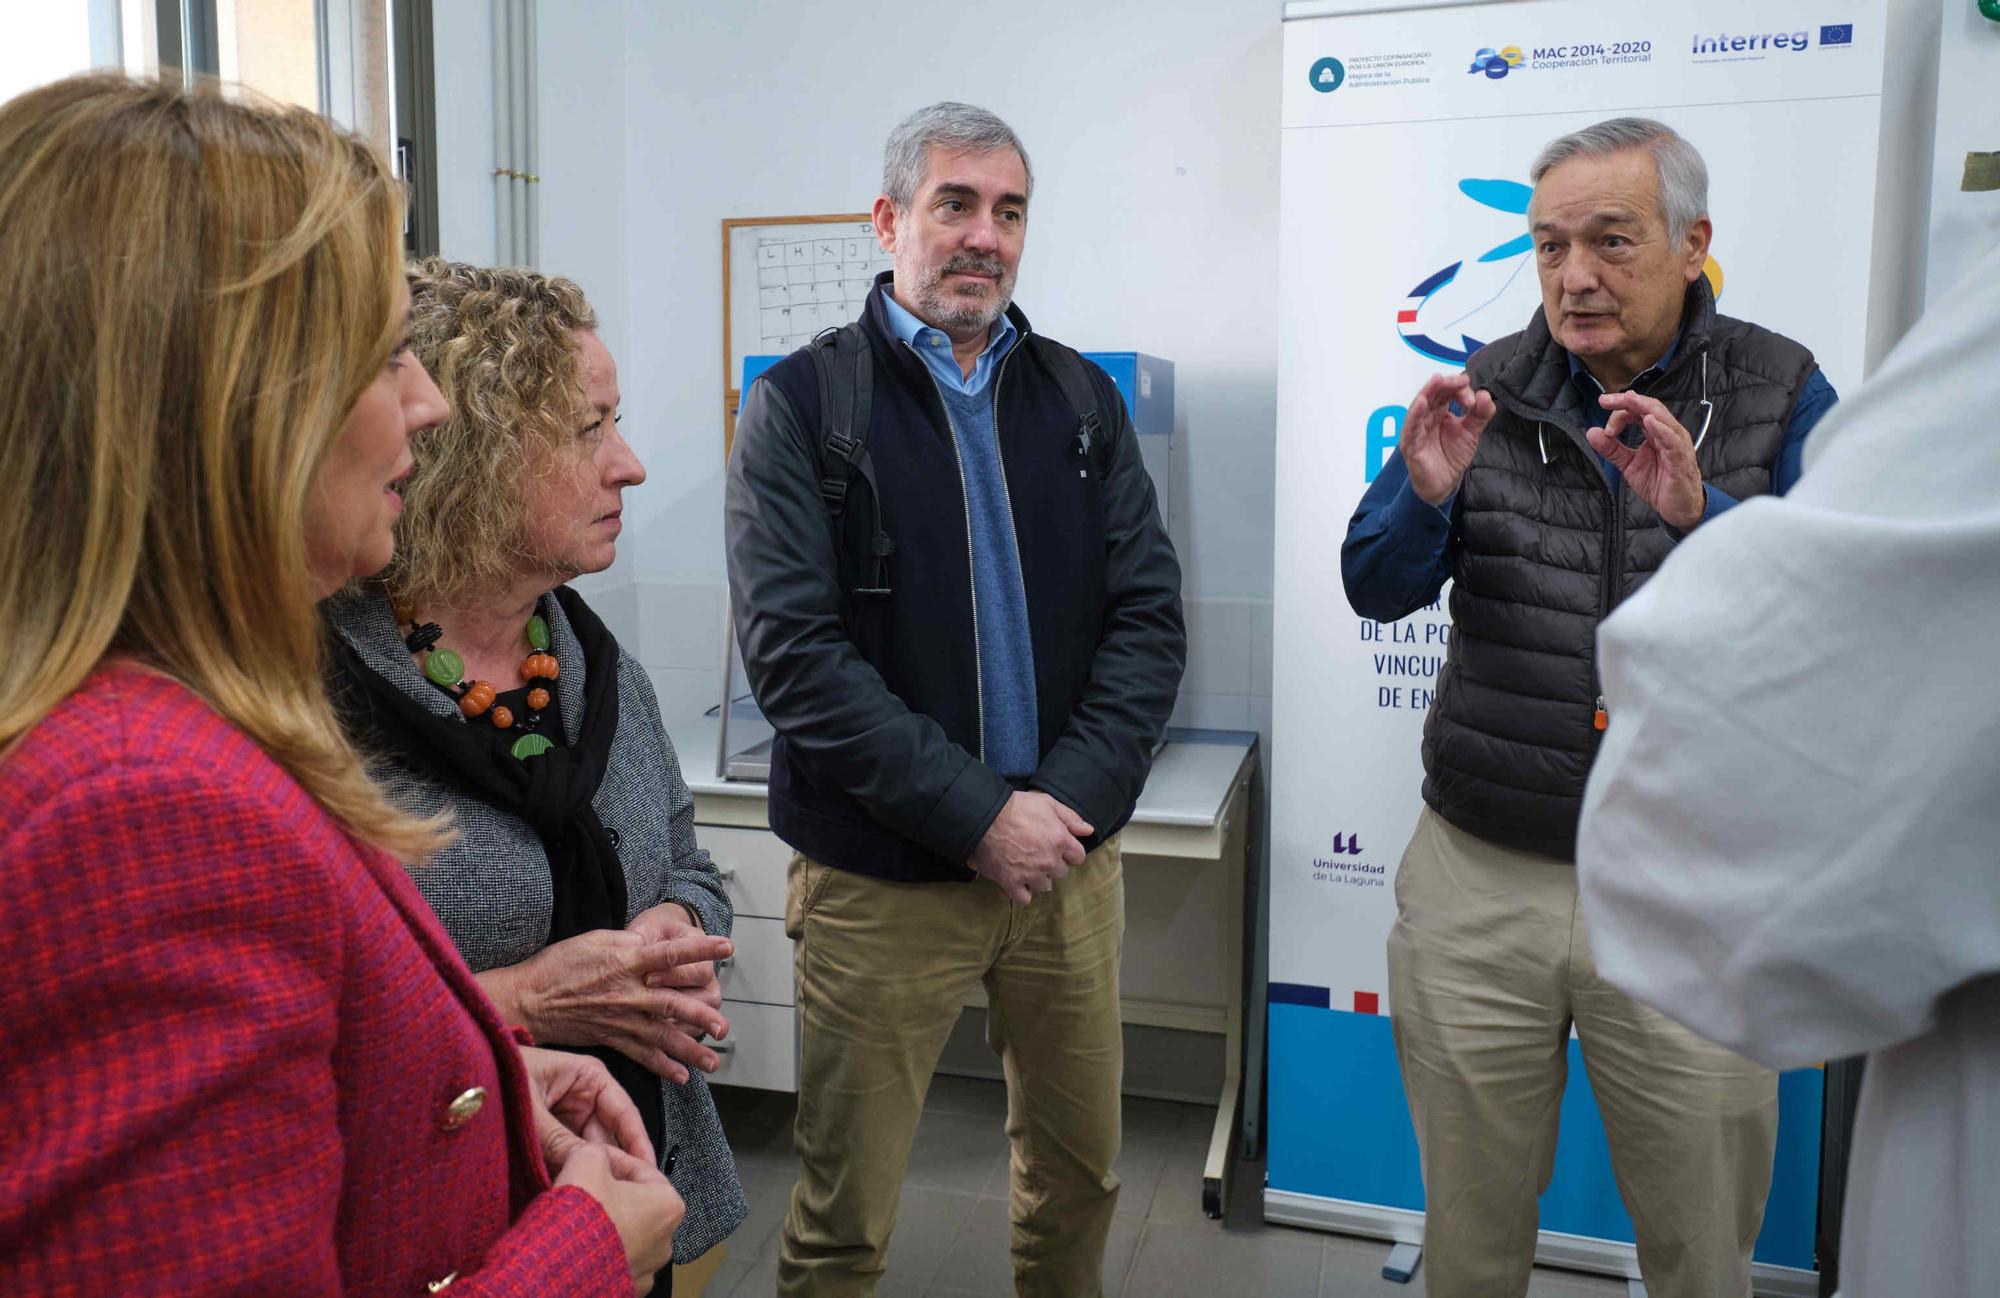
(231, 1039)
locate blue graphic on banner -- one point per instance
(1326, 75)
(1497, 63)
(1509, 196)
(1837, 34)
(1340, 1130)
(1300, 994)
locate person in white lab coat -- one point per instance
(1791, 839)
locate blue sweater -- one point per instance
(1000, 601)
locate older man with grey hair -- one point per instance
(959, 609)
(1547, 482)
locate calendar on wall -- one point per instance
(784, 279)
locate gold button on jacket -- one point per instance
(461, 1110)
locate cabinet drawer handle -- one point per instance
(723, 1047)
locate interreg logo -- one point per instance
(1726, 44)
(1326, 75)
(1497, 63)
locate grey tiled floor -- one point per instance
(951, 1234)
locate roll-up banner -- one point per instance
(1407, 139)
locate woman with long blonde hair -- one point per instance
(241, 1055)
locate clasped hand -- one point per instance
(593, 1138)
(617, 988)
(1032, 842)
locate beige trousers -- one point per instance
(1489, 966)
(883, 971)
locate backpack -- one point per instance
(846, 371)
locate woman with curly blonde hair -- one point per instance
(241, 1055)
(492, 693)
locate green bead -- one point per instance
(538, 633)
(445, 667)
(531, 745)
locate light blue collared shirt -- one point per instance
(935, 348)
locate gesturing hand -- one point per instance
(1030, 844)
(1436, 445)
(1662, 470)
(642, 1204)
(664, 923)
(592, 990)
(577, 1103)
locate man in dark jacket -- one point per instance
(1547, 482)
(968, 637)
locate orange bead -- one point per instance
(477, 698)
(539, 667)
(538, 698)
(503, 717)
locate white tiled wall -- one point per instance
(1228, 681)
(674, 629)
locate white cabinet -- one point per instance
(757, 990)
(760, 973)
(762, 1049)
(752, 864)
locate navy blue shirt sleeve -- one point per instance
(1398, 552)
(1815, 399)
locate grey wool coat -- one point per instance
(491, 888)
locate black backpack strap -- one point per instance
(846, 371)
(1093, 435)
(846, 383)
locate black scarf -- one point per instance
(551, 791)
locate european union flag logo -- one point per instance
(1837, 34)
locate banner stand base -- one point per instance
(1553, 1248)
(1402, 1263)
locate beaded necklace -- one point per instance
(445, 668)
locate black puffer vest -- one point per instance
(1546, 552)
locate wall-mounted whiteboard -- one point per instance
(785, 278)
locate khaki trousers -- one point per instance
(883, 971)
(1489, 966)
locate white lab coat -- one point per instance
(1791, 841)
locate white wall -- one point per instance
(1903, 176)
(40, 43)
(1963, 226)
(462, 35)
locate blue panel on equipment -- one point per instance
(1339, 1129)
(1146, 383)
